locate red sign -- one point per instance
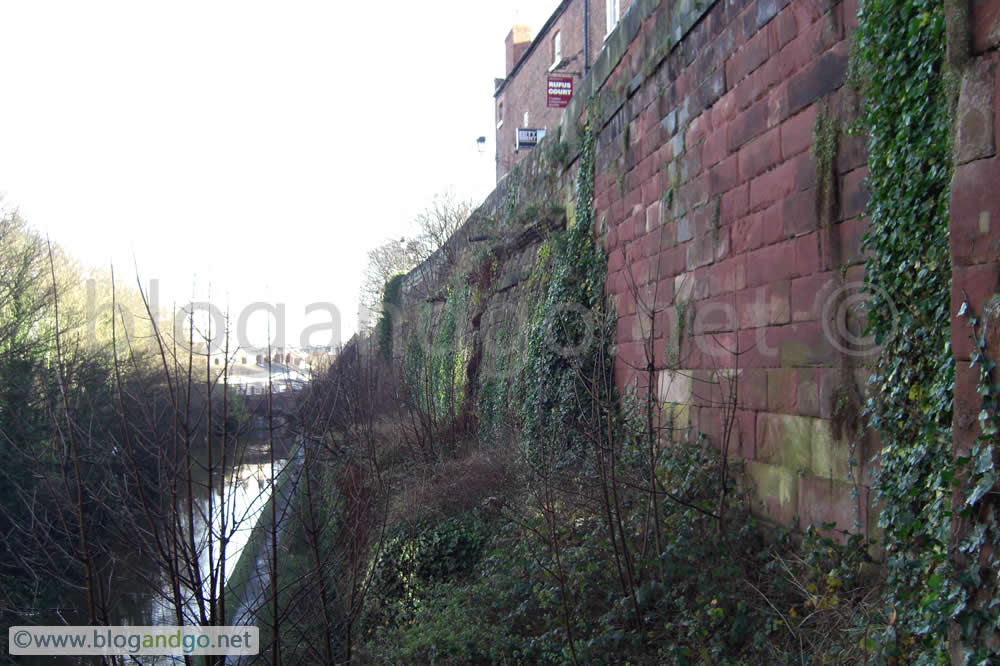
(560, 91)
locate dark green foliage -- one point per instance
(900, 64)
(707, 607)
(977, 557)
(437, 356)
(392, 301)
(415, 557)
(563, 341)
(493, 395)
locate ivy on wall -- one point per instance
(899, 64)
(392, 301)
(977, 557)
(437, 356)
(493, 395)
(568, 325)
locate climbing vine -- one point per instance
(510, 201)
(977, 556)
(562, 344)
(437, 356)
(899, 64)
(392, 301)
(493, 395)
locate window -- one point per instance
(499, 113)
(525, 119)
(613, 9)
(557, 48)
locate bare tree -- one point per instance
(385, 261)
(440, 220)
(435, 225)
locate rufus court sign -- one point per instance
(560, 91)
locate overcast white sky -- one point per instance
(258, 147)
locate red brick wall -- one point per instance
(525, 90)
(708, 204)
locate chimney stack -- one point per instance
(518, 41)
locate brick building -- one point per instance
(562, 47)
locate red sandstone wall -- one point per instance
(707, 200)
(975, 212)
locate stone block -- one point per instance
(767, 10)
(674, 386)
(747, 125)
(771, 264)
(775, 491)
(809, 295)
(654, 217)
(748, 233)
(735, 204)
(804, 444)
(807, 391)
(829, 456)
(968, 403)
(853, 193)
(975, 213)
(798, 213)
(977, 283)
(684, 286)
(782, 390)
(807, 257)
(764, 306)
(787, 28)
(797, 132)
(760, 154)
(772, 186)
(747, 59)
(976, 112)
(985, 23)
(727, 276)
(714, 315)
(818, 79)
(825, 501)
(724, 176)
(800, 345)
(852, 235)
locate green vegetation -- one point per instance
(487, 494)
(392, 301)
(899, 64)
(111, 441)
(563, 349)
(437, 356)
(536, 537)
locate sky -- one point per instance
(247, 152)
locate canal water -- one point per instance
(234, 511)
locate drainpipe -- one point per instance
(586, 37)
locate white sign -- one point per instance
(528, 138)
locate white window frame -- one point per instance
(612, 14)
(556, 48)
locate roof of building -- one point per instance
(502, 83)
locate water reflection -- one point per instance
(233, 512)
